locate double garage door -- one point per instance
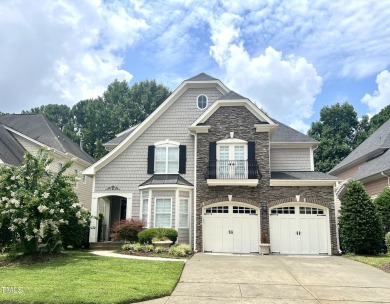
(293, 229)
(231, 228)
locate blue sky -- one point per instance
(290, 57)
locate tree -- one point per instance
(360, 226)
(383, 204)
(379, 119)
(339, 132)
(37, 205)
(98, 120)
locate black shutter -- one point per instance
(212, 160)
(182, 159)
(151, 159)
(252, 166)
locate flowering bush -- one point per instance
(36, 205)
(127, 230)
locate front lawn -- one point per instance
(381, 261)
(81, 277)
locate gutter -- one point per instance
(388, 179)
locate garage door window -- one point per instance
(219, 209)
(244, 210)
(309, 210)
(283, 210)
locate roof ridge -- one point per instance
(47, 122)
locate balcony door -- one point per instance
(232, 161)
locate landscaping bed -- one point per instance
(180, 251)
(81, 277)
(381, 261)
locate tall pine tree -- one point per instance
(361, 228)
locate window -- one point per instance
(244, 210)
(167, 159)
(202, 102)
(162, 214)
(84, 179)
(232, 160)
(76, 173)
(183, 213)
(283, 210)
(145, 211)
(309, 210)
(219, 209)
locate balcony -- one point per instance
(233, 173)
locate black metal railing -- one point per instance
(233, 169)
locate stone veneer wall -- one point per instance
(240, 121)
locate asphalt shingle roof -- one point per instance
(231, 95)
(117, 140)
(201, 77)
(285, 134)
(11, 151)
(39, 128)
(166, 179)
(378, 142)
(302, 175)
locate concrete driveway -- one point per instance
(229, 279)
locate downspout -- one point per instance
(194, 196)
(388, 179)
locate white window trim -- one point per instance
(167, 143)
(245, 145)
(197, 102)
(232, 141)
(166, 146)
(155, 213)
(188, 212)
(147, 211)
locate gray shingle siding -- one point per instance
(291, 159)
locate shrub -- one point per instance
(146, 236)
(159, 249)
(127, 230)
(383, 204)
(138, 247)
(360, 225)
(181, 250)
(387, 241)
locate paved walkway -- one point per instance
(108, 253)
(275, 279)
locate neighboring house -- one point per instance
(29, 132)
(368, 163)
(209, 163)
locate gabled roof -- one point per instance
(201, 77)
(11, 151)
(40, 129)
(232, 96)
(285, 134)
(302, 175)
(372, 169)
(373, 146)
(193, 82)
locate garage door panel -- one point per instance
(302, 231)
(236, 231)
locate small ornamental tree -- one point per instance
(383, 204)
(37, 205)
(360, 225)
(127, 230)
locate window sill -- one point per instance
(233, 182)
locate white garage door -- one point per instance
(299, 230)
(231, 228)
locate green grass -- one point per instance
(381, 261)
(81, 277)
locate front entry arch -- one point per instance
(299, 228)
(231, 227)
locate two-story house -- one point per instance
(209, 163)
(29, 132)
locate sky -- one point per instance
(291, 58)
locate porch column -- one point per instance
(129, 206)
(93, 229)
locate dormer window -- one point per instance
(202, 102)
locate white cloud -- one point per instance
(381, 97)
(62, 51)
(285, 86)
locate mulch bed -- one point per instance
(31, 259)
